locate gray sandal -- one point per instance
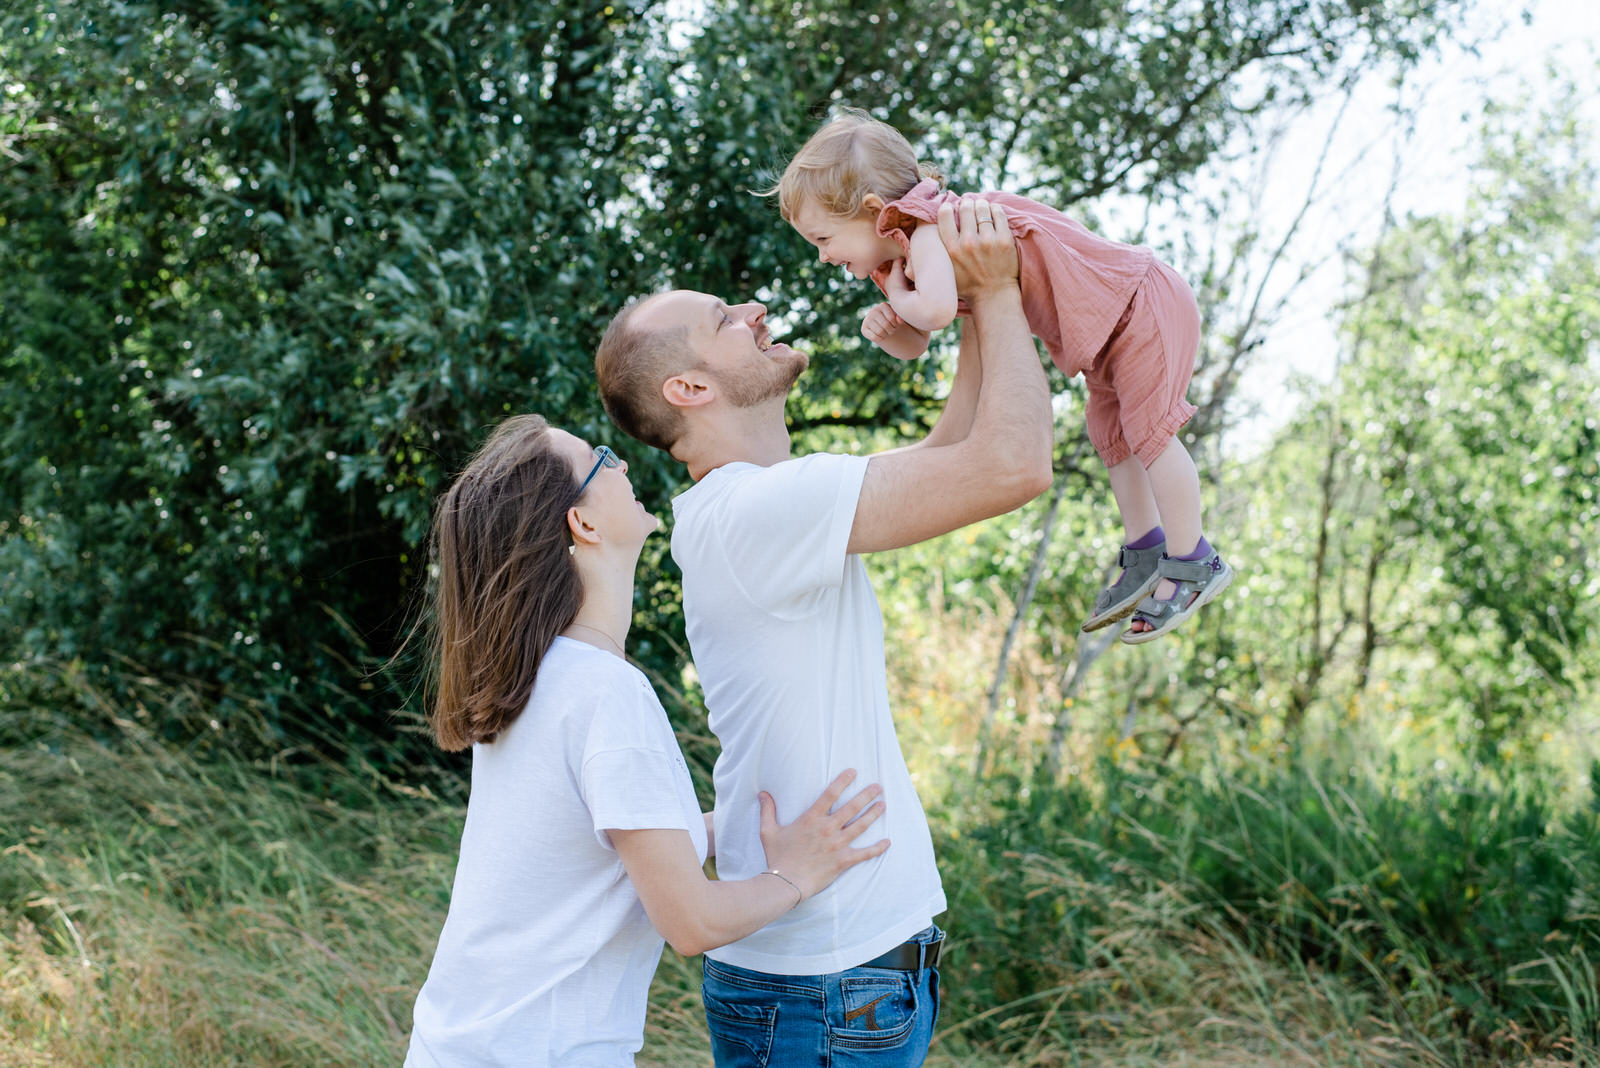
(1198, 582)
(1138, 579)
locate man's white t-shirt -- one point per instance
(787, 639)
(546, 955)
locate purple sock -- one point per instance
(1155, 537)
(1202, 551)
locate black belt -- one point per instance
(909, 956)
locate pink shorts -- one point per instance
(1137, 383)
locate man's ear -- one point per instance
(688, 390)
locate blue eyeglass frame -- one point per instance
(604, 457)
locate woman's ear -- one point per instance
(583, 533)
(872, 202)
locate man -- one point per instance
(788, 639)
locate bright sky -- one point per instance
(1448, 95)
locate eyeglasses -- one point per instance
(604, 457)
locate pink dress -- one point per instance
(1109, 311)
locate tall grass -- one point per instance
(162, 909)
(1299, 914)
(188, 906)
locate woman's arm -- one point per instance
(695, 914)
(932, 304)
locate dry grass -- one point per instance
(166, 913)
(156, 933)
(158, 910)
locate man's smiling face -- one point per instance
(731, 342)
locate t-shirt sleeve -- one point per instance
(632, 790)
(786, 531)
(633, 775)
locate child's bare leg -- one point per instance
(1143, 543)
(1175, 486)
(1136, 500)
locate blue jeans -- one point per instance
(878, 1017)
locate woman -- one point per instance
(583, 838)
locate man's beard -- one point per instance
(758, 385)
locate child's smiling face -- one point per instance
(851, 242)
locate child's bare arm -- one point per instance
(932, 304)
(892, 334)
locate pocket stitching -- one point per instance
(761, 1019)
(900, 983)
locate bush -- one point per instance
(1465, 902)
(270, 275)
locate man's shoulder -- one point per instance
(749, 500)
(741, 477)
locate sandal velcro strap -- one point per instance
(1139, 576)
(1197, 571)
(1133, 559)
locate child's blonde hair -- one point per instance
(853, 154)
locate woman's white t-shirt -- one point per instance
(546, 955)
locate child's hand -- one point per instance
(880, 322)
(885, 329)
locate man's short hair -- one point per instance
(631, 365)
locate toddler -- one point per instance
(1112, 312)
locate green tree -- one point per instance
(1449, 541)
(268, 273)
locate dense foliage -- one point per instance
(1467, 900)
(268, 272)
(1447, 542)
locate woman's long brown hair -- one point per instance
(506, 584)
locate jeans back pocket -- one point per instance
(740, 1034)
(880, 1010)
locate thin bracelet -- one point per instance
(799, 894)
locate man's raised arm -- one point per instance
(1004, 460)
